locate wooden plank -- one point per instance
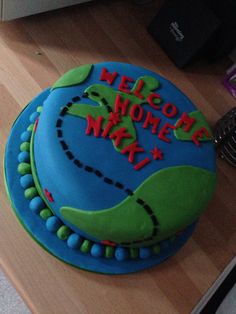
(33, 53)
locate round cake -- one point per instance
(110, 168)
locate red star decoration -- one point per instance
(48, 195)
(109, 243)
(36, 124)
(114, 118)
(157, 153)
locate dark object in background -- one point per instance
(225, 136)
(141, 2)
(183, 28)
(224, 40)
(189, 29)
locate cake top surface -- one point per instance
(122, 155)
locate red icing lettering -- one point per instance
(121, 105)
(199, 134)
(132, 149)
(142, 163)
(94, 125)
(165, 130)
(187, 121)
(113, 119)
(107, 129)
(118, 135)
(124, 86)
(151, 120)
(151, 102)
(107, 76)
(169, 110)
(138, 89)
(136, 112)
(157, 153)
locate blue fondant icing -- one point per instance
(74, 241)
(53, 223)
(37, 204)
(25, 136)
(24, 157)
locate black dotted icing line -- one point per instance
(96, 172)
(103, 100)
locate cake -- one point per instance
(110, 168)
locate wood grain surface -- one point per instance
(34, 52)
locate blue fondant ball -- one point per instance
(25, 136)
(53, 224)
(27, 181)
(74, 241)
(97, 250)
(34, 116)
(121, 254)
(144, 252)
(37, 204)
(24, 157)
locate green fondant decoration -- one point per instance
(134, 252)
(177, 196)
(74, 77)
(45, 213)
(34, 173)
(25, 146)
(24, 168)
(39, 109)
(200, 122)
(156, 249)
(30, 128)
(86, 246)
(99, 93)
(63, 232)
(30, 193)
(109, 251)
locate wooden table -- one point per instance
(33, 53)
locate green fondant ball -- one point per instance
(134, 252)
(30, 128)
(86, 246)
(30, 193)
(39, 109)
(156, 249)
(63, 232)
(25, 147)
(109, 251)
(24, 168)
(45, 213)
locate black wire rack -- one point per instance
(225, 137)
